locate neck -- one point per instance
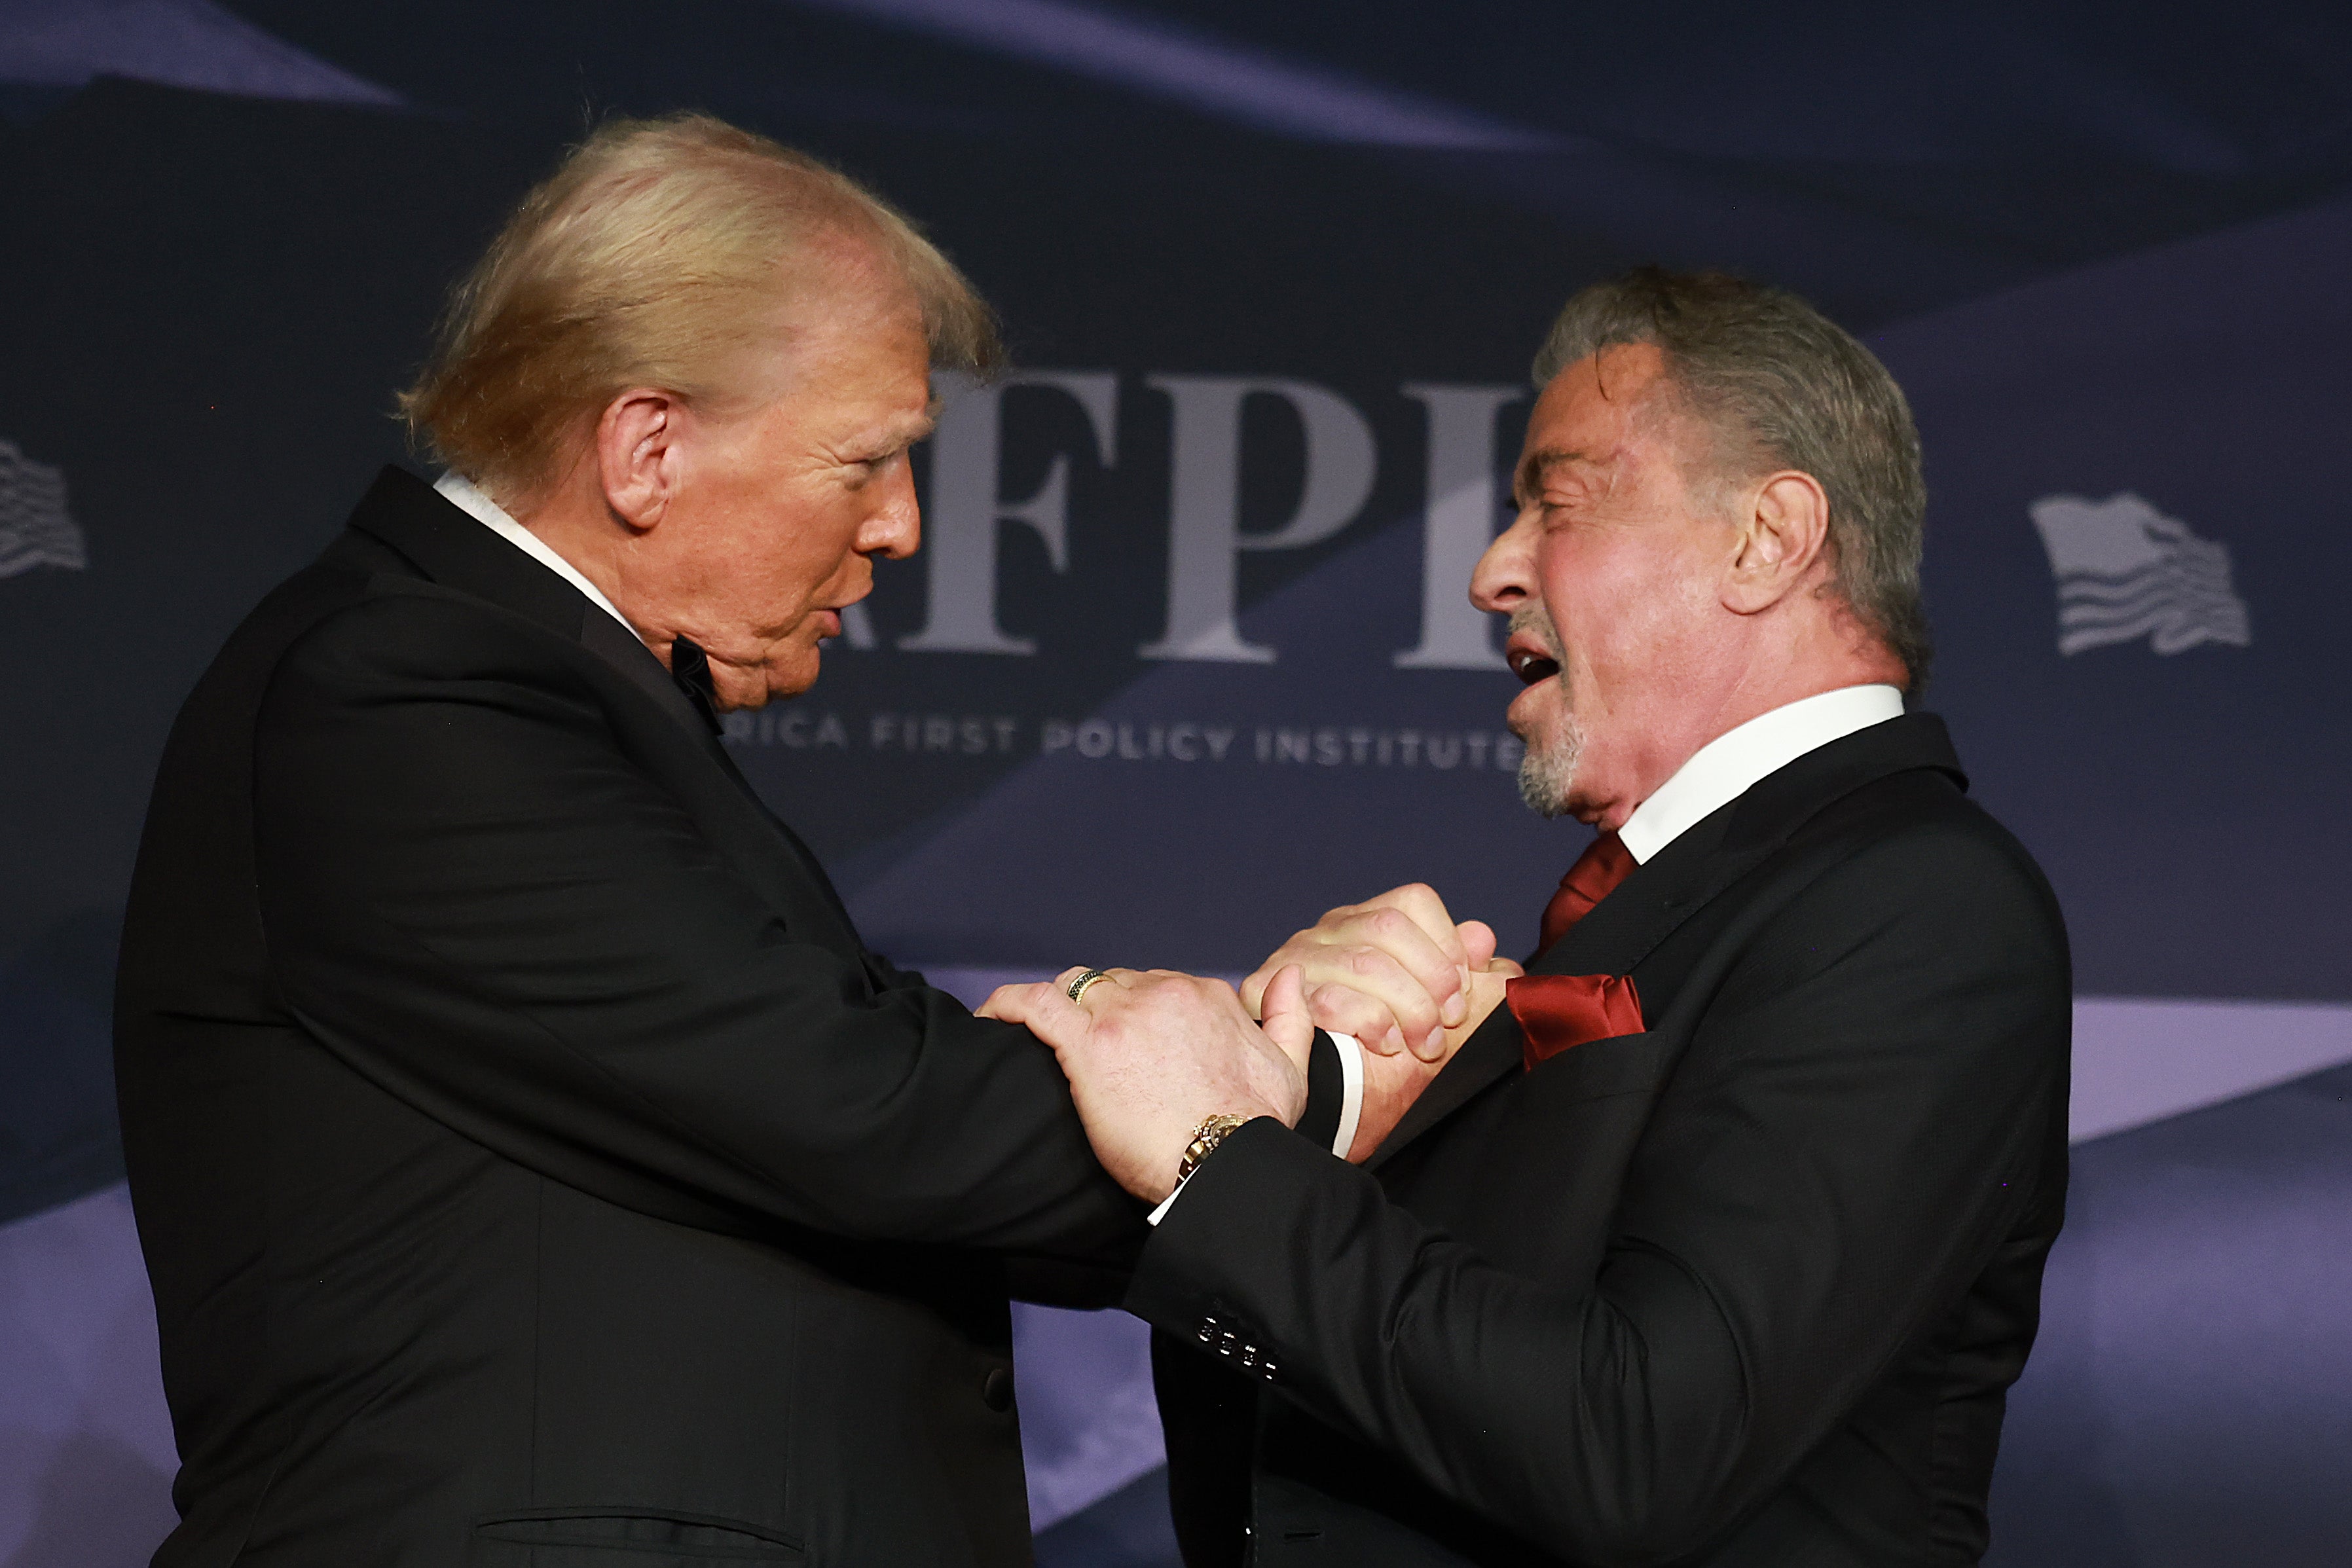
(1765, 677)
(574, 520)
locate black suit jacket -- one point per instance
(532, 1164)
(1746, 1288)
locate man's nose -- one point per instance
(1505, 573)
(895, 530)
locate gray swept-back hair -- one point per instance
(1781, 386)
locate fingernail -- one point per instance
(1436, 1043)
(1456, 1009)
(1395, 1038)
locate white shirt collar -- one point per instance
(1726, 767)
(464, 494)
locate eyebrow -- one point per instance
(1539, 463)
(905, 433)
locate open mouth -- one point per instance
(1530, 665)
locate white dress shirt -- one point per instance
(1731, 763)
(469, 497)
(1718, 773)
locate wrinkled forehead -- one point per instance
(1596, 421)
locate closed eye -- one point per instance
(863, 469)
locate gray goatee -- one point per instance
(1549, 768)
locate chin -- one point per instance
(791, 681)
(1548, 772)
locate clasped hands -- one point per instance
(1151, 1054)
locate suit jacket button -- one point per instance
(996, 1389)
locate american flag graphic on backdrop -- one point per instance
(2125, 571)
(34, 527)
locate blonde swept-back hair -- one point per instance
(660, 253)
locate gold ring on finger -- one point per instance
(1077, 987)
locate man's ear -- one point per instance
(637, 456)
(1784, 533)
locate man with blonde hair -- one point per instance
(532, 1164)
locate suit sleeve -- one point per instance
(1056, 1283)
(478, 900)
(1850, 1134)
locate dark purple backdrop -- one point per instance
(1185, 659)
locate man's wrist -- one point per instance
(1209, 1133)
(1212, 1130)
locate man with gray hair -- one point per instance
(534, 1165)
(1718, 1238)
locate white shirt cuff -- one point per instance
(1352, 1112)
(1351, 1092)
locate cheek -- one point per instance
(805, 567)
(776, 559)
(1598, 594)
(1619, 607)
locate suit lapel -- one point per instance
(451, 547)
(1678, 882)
(618, 646)
(1495, 1051)
(1634, 917)
(1646, 906)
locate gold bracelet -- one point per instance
(1206, 1137)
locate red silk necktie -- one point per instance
(1605, 863)
(1558, 1012)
